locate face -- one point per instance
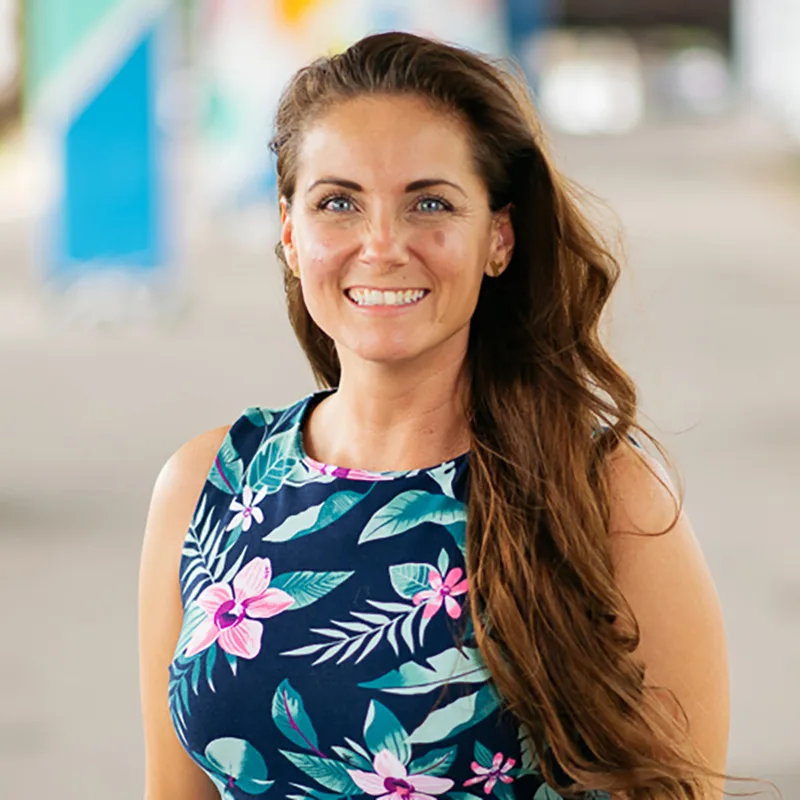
(391, 231)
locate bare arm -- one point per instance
(667, 583)
(170, 772)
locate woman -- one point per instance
(492, 592)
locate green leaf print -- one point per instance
(409, 509)
(408, 579)
(306, 588)
(436, 762)
(316, 517)
(238, 761)
(313, 794)
(449, 667)
(443, 563)
(227, 470)
(529, 760)
(259, 416)
(210, 655)
(455, 717)
(458, 530)
(326, 772)
(545, 792)
(443, 475)
(353, 759)
(483, 755)
(192, 617)
(291, 718)
(383, 731)
(503, 791)
(204, 550)
(275, 458)
(232, 661)
(462, 796)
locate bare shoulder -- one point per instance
(662, 573)
(182, 477)
(170, 774)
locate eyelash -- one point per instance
(321, 206)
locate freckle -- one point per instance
(438, 238)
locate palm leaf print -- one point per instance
(450, 720)
(292, 719)
(364, 633)
(325, 771)
(436, 762)
(450, 667)
(306, 588)
(316, 517)
(235, 763)
(409, 509)
(203, 554)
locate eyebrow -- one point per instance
(414, 186)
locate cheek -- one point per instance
(455, 258)
(322, 250)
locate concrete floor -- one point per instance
(707, 320)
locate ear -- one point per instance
(287, 237)
(502, 246)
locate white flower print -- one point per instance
(247, 510)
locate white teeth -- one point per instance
(373, 297)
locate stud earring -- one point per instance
(496, 267)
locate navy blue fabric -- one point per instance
(289, 561)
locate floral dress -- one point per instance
(325, 651)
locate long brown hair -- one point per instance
(546, 406)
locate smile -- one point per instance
(392, 297)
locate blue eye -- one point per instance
(432, 204)
(336, 203)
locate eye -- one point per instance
(432, 204)
(336, 202)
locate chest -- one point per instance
(326, 651)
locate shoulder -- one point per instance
(177, 490)
(186, 470)
(662, 573)
(657, 559)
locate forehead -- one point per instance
(386, 138)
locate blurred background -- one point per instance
(140, 304)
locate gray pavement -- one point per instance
(707, 320)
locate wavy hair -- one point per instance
(546, 407)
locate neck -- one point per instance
(385, 418)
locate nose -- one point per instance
(384, 245)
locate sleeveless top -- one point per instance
(325, 650)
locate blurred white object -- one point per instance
(766, 36)
(700, 79)
(590, 84)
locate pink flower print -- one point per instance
(442, 591)
(232, 612)
(391, 781)
(247, 510)
(497, 772)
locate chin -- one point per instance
(388, 353)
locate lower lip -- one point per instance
(386, 310)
